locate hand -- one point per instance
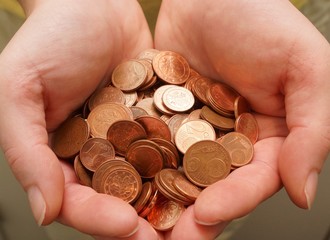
(272, 55)
(55, 61)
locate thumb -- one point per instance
(24, 141)
(308, 117)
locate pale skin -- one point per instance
(267, 51)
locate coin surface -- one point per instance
(106, 95)
(186, 188)
(171, 67)
(206, 162)
(124, 132)
(94, 152)
(178, 99)
(158, 100)
(241, 105)
(69, 137)
(146, 157)
(84, 176)
(216, 120)
(144, 197)
(191, 132)
(239, 147)
(155, 127)
(102, 116)
(129, 75)
(247, 124)
(165, 214)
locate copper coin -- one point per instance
(138, 111)
(172, 157)
(171, 67)
(84, 176)
(129, 75)
(151, 202)
(144, 197)
(206, 162)
(146, 157)
(148, 105)
(148, 54)
(165, 214)
(69, 137)
(241, 105)
(200, 87)
(216, 120)
(124, 132)
(223, 96)
(130, 98)
(158, 100)
(166, 178)
(186, 188)
(247, 124)
(239, 147)
(155, 127)
(175, 122)
(192, 132)
(106, 95)
(95, 151)
(102, 116)
(178, 99)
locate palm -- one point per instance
(262, 51)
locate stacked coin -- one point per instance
(157, 135)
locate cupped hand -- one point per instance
(273, 56)
(60, 55)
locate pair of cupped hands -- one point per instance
(266, 50)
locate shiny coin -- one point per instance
(144, 197)
(247, 124)
(192, 132)
(206, 162)
(84, 176)
(171, 67)
(106, 95)
(186, 188)
(178, 99)
(216, 120)
(155, 127)
(102, 116)
(129, 75)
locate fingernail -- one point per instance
(310, 188)
(207, 223)
(37, 204)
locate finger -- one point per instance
(188, 229)
(245, 188)
(308, 117)
(99, 214)
(24, 141)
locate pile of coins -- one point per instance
(157, 135)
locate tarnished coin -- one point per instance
(129, 75)
(102, 116)
(206, 162)
(130, 98)
(106, 95)
(94, 152)
(239, 147)
(247, 124)
(193, 131)
(84, 176)
(146, 157)
(171, 67)
(69, 137)
(155, 127)
(216, 120)
(124, 132)
(178, 99)
(165, 213)
(186, 188)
